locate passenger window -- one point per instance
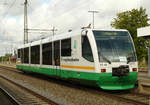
(26, 55)
(22, 55)
(35, 54)
(19, 53)
(66, 47)
(47, 54)
(57, 53)
(86, 49)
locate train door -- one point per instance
(57, 57)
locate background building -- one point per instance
(145, 32)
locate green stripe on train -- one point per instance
(103, 80)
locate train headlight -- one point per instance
(103, 70)
(134, 69)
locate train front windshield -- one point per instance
(114, 46)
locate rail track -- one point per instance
(7, 98)
(22, 95)
(125, 96)
(134, 98)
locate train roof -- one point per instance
(63, 36)
(111, 29)
(52, 38)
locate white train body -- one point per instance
(89, 53)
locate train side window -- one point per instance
(66, 47)
(86, 49)
(47, 54)
(19, 53)
(26, 55)
(57, 53)
(22, 55)
(35, 54)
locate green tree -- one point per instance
(131, 20)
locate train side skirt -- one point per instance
(103, 80)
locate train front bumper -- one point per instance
(109, 82)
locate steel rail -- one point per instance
(128, 100)
(30, 91)
(10, 96)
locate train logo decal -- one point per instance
(75, 44)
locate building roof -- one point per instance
(143, 32)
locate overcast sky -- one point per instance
(62, 14)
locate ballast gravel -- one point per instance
(60, 93)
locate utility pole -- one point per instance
(93, 12)
(53, 30)
(42, 30)
(26, 30)
(25, 23)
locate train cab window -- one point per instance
(19, 53)
(86, 49)
(47, 54)
(66, 47)
(26, 55)
(35, 54)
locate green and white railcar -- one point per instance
(104, 58)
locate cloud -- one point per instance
(145, 4)
(63, 14)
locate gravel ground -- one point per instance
(144, 79)
(62, 94)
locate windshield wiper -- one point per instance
(104, 58)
